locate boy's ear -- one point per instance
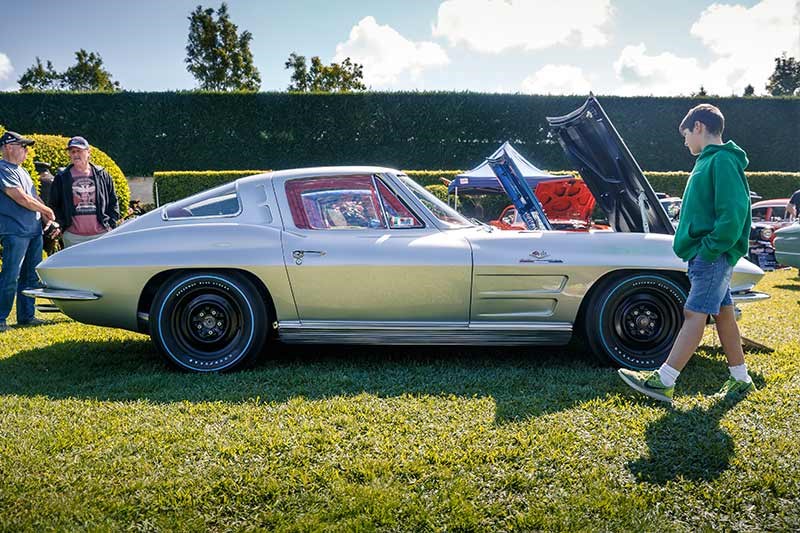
(699, 127)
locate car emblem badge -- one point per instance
(539, 256)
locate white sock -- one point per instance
(739, 373)
(668, 375)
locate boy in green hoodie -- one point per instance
(712, 235)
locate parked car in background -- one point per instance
(768, 216)
(787, 245)
(672, 205)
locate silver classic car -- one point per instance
(365, 255)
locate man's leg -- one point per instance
(14, 249)
(26, 306)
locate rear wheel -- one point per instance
(208, 322)
(633, 320)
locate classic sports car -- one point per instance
(365, 255)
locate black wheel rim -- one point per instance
(207, 324)
(644, 321)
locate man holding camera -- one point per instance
(21, 214)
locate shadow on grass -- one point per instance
(523, 382)
(689, 444)
(795, 287)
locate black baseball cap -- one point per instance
(12, 137)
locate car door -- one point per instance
(356, 252)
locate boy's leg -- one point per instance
(688, 339)
(729, 336)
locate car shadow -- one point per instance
(523, 382)
(795, 287)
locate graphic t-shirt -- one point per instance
(84, 198)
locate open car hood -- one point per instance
(607, 167)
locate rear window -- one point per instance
(220, 202)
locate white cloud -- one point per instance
(6, 68)
(386, 54)
(557, 79)
(664, 74)
(744, 43)
(498, 25)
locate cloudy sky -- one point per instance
(624, 47)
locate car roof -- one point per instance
(776, 202)
(321, 171)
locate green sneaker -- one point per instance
(648, 383)
(733, 388)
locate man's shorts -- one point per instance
(711, 285)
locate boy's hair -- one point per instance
(708, 114)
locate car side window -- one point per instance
(220, 202)
(335, 203)
(758, 214)
(398, 215)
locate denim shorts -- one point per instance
(710, 285)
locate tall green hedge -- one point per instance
(173, 186)
(215, 131)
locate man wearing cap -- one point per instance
(21, 214)
(83, 197)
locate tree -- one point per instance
(300, 77)
(785, 79)
(702, 92)
(219, 58)
(40, 78)
(87, 74)
(336, 77)
(749, 90)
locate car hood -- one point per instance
(619, 186)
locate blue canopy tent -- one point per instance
(482, 180)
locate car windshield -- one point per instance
(443, 212)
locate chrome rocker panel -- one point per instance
(411, 333)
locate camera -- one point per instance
(51, 230)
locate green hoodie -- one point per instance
(715, 213)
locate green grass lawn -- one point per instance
(96, 434)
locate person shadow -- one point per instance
(690, 444)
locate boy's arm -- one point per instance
(731, 205)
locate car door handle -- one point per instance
(300, 254)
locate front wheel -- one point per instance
(208, 322)
(633, 320)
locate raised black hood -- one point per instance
(593, 145)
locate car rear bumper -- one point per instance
(56, 295)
